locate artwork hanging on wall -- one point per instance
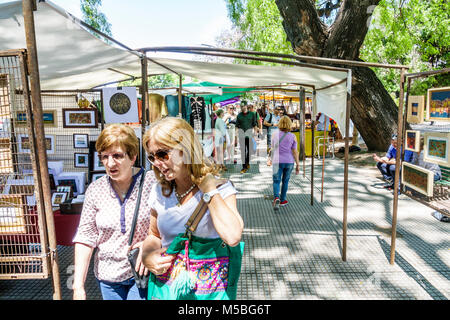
(80, 140)
(438, 104)
(80, 118)
(120, 105)
(23, 143)
(98, 164)
(6, 161)
(418, 178)
(97, 175)
(81, 160)
(58, 198)
(412, 140)
(416, 105)
(12, 217)
(49, 118)
(437, 148)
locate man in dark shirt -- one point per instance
(386, 164)
(245, 122)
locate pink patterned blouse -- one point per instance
(105, 224)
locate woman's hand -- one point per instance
(158, 262)
(297, 169)
(208, 183)
(140, 267)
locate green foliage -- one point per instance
(414, 33)
(260, 24)
(94, 17)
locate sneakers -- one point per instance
(283, 203)
(244, 170)
(276, 204)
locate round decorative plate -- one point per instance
(120, 103)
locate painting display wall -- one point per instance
(437, 148)
(438, 104)
(416, 105)
(417, 178)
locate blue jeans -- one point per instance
(281, 175)
(387, 170)
(125, 290)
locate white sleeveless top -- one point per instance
(172, 218)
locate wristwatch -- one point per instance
(207, 196)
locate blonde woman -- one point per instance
(284, 153)
(185, 178)
(106, 219)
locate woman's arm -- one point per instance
(83, 255)
(297, 161)
(224, 214)
(152, 252)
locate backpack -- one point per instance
(270, 121)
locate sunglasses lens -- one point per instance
(162, 155)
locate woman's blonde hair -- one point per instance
(176, 133)
(285, 124)
(118, 135)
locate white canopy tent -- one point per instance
(71, 58)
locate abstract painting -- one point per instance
(437, 147)
(438, 104)
(416, 106)
(412, 140)
(417, 178)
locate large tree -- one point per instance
(338, 29)
(94, 17)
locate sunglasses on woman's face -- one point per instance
(161, 155)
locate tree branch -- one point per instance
(303, 27)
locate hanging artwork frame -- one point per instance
(416, 106)
(80, 118)
(81, 160)
(58, 198)
(437, 148)
(80, 140)
(418, 178)
(120, 105)
(412, 140)
(438, 104)
(23, 143)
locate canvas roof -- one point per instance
(72, 58)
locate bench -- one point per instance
(442, 187)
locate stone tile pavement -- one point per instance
(295, 253)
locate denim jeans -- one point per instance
(125, 290)
(281, 175)
(387, 170)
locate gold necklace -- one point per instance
(181, 196)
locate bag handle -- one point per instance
(192, 224)
(136, 209)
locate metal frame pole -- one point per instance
(313, 111)
(398, 163)
(27, 8)
(180, 98)
(323, 158)
(346, 161)
(144, 94)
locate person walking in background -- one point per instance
(271, 121)
(258, 118)
(230, 122)
(245, 122)
(107, 216)
(283, 155)
(220, 137)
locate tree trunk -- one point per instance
(373, 111)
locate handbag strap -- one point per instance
(279, 142)
(136, 209)
(195, 218)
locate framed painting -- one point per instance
(412, 142)
(23, 143)
(48, 118)
(6, 160)
(98, 164)
(120, 105)
(416, 105)
(437, 148)
(58, 198)
(80, 140)
(438, 104)
(12, 217)
(80, 118)
(97, 175)
(418, 178)
(66, 189)
(81, 160)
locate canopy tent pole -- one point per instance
(346, 161)
(323, 158)
(398, 163)
(145, 103)
(180, 89)
(314, 110)
(30, 34)
(302, 126)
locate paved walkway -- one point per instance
(296, 252)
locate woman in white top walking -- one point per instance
(185, 178)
